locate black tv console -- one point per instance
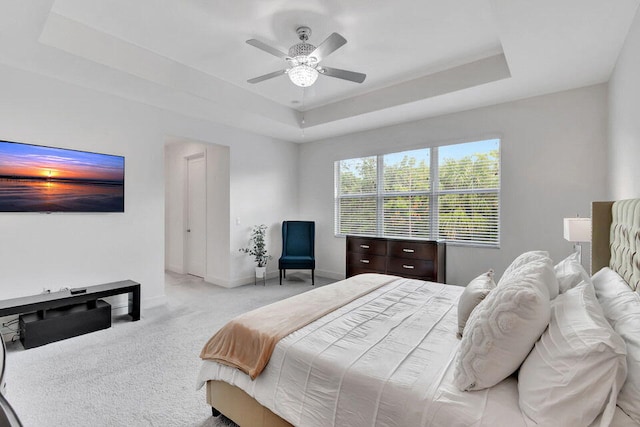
(59, 302)
(64, 322)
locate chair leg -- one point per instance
(280, 277)
(313, 280)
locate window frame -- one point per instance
(433, 193)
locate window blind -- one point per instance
(356, 207)
(406, 194)
(449, 192)
(469, 193)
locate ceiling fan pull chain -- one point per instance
(304, 90)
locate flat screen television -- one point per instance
(35, 178)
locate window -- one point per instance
(450, 192)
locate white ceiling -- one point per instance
(422, 57)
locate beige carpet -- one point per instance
(135, 373)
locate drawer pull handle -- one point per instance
(410, 251)
(408, 267)
(364, 261)
(364, 246)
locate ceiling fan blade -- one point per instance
(330, 45)
(352, 76)
(266, 76)
(265, 47)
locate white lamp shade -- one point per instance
(577, 229)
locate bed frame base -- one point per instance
(239, 407)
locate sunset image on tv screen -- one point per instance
(43, 179)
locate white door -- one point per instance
(196, 216)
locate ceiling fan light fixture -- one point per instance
(303, 75)
(303, 60)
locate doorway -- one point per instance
(197, 198)
(195, 215)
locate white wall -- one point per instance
(72, 250)
(264, 190)
(553, 151)
(624, 119)
(252, 181)
(247, 184)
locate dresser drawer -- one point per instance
(413, 250)
(370, 262)
(411, 267)
(367, 246)
(416, 259)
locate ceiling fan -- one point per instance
(304, 59)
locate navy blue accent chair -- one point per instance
(298, 253)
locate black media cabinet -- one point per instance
(60, 315)
(64, 322)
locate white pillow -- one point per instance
(578, 366)
(529, 257)
(621, 307)
(504, 327)
(472, 295)
(525, 258)
(570, 272)
(609, 284)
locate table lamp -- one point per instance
(577, 230)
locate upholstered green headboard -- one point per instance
(615, 240)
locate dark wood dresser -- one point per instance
(415, 259)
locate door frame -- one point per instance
(185, 207)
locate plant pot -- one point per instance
(260, 272)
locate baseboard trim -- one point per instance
(249, 280)
(175, 269)
(218, 281)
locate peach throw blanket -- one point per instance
(247, 341)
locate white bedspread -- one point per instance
(385, 359)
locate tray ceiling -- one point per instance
(422, 58)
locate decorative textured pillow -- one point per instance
(621, 307)
(570, 272)
(502, 330)
(577, 367)
(527, 258)
(473, 294)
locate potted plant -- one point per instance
(258, 249)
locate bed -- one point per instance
(391, 357)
